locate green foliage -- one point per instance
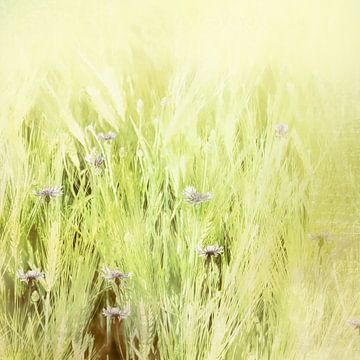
(284, 209)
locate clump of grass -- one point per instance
(181, 100)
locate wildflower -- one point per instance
(210, 250)
(107, 137)
(193, 197)
(281, 130)
(355, 323)
(115, 313)
(95, 160)
(30, 276)
(49, 192)
(115, 275)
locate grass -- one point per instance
(213, 79)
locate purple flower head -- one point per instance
(115, 275)
(115, 313)
(210, 251)
(30, 276)
(107, 137)
(193, 197)
(281, 130)
(49, 192)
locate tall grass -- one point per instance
(213, 78)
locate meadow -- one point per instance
(179, 180)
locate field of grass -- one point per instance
(190, 93)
